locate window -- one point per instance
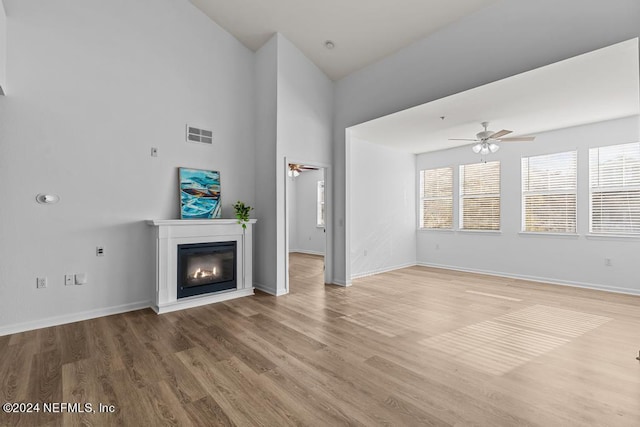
(320, 205)
(436, 198)
(480, 196)
(549, 185)
(614, 189)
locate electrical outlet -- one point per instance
(437, 246)
(41, 282)
(68, 280)
(154, 151)
(607, 262)
(365, 252)
(99, 250)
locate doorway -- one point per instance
(307, 223)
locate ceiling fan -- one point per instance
(485, 141)
(295, 169)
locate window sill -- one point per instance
(549, 234)
(612, 236)
(494, 232)
(437, 230)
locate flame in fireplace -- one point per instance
(201, 273)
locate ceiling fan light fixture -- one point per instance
(294, 170)
(486, 141)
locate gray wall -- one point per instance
(94, 85)
(305, 120)
(3, 48)
(383, 203)
(303, 115)
(466, 54)
(266, 107)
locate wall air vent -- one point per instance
(202, 136)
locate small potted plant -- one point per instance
(242, 213)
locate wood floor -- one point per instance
(417, 346)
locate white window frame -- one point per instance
(595, 187)
(422, 199)
(573, 190)
(320, 214)
(463, 197)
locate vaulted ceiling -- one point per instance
(362, 31)
(598, 86)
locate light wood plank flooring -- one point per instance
(417, 346)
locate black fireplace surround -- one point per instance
(206, 267)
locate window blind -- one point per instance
(436, 198)
(614, 181)
(549, 184)
(480, 196)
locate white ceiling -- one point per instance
(597, 86)
(363, 31)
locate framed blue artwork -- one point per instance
(199, 194)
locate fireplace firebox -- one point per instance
(206, 268)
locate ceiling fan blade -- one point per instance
(520, 138)
(462, 139)
(500, 133)
(309, 168)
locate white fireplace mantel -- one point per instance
(173, 232)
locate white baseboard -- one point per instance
(549, 280)
(200, 300)
(269, 291)
(70, 318)
(305, 251)
(382, 270)
(262, 288)
(341, 283)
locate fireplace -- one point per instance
(197, 234)
(206, 268)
